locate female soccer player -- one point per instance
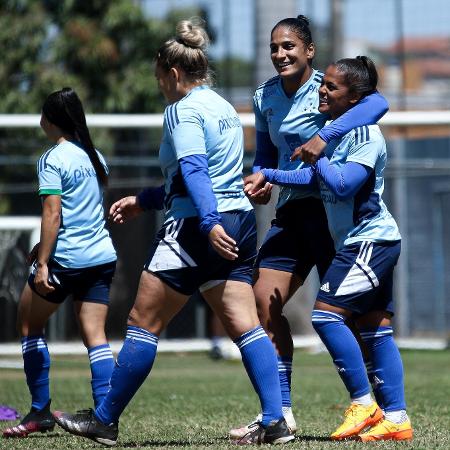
(287, 116)
(75, 256)
(207, 242)
(358, 284)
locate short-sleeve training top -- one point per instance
(363, 217)
(82, 241)
(203, 123)
(290, 121)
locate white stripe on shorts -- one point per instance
(170, 255)
(361, 277)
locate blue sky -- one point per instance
(372, 20)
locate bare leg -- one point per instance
(155, 305)
(273, 289)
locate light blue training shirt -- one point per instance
(363, 217)
(283, 123)
(290, 121)
(83, 240)
(203, 123)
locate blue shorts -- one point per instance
(298, 239)
(88, 284)
(360, 277)
(183, 258)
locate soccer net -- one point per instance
(17, 236)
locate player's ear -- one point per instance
(174, 74)
(354, 98)
(310, 51)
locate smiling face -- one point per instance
(290, 56)
(335, 96)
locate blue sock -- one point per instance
(387, 368)
(284, 373)
(102, 365)
(373, 382)
(36, 363)
(260, 361)
(344, 349)
(133, 365)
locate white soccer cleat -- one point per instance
(238, 433)
(290, 420)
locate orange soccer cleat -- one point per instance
(357, 418)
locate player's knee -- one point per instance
(321, 319)
(22, 328)
(135, 318)
(145, 321)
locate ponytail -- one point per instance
(64, 109)
(359, 73)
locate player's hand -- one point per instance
(32, 256)
(125, 209)
(263, 195)
(257, 189)
(223, 244)
(41, 283)
(310, 151)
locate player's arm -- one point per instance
(189, 144)
(266, 155)
(304, 176)
(347, 180)
(50, 190)
(152, 198)
(194, 169)
(369, 110)
(344, 182)
(129, 207)
(50, 223)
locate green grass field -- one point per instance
(190, 401)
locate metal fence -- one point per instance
(417, 193)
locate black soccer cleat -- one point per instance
(277, 432)
(36, 421)
(84, 423)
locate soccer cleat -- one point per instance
(357, 418)
(277, 432)
(36, 421)
(237, 433)
(387, 430)
(84, 423)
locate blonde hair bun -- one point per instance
(191, 32)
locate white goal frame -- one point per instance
(392, 119)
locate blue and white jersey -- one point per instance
(290, 121)
(82, 241)
(363, 217)
(203, 123)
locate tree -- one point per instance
(103, 49)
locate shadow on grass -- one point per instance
(181, 443)
(305, 438)
(34, 435)
(208, 442)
